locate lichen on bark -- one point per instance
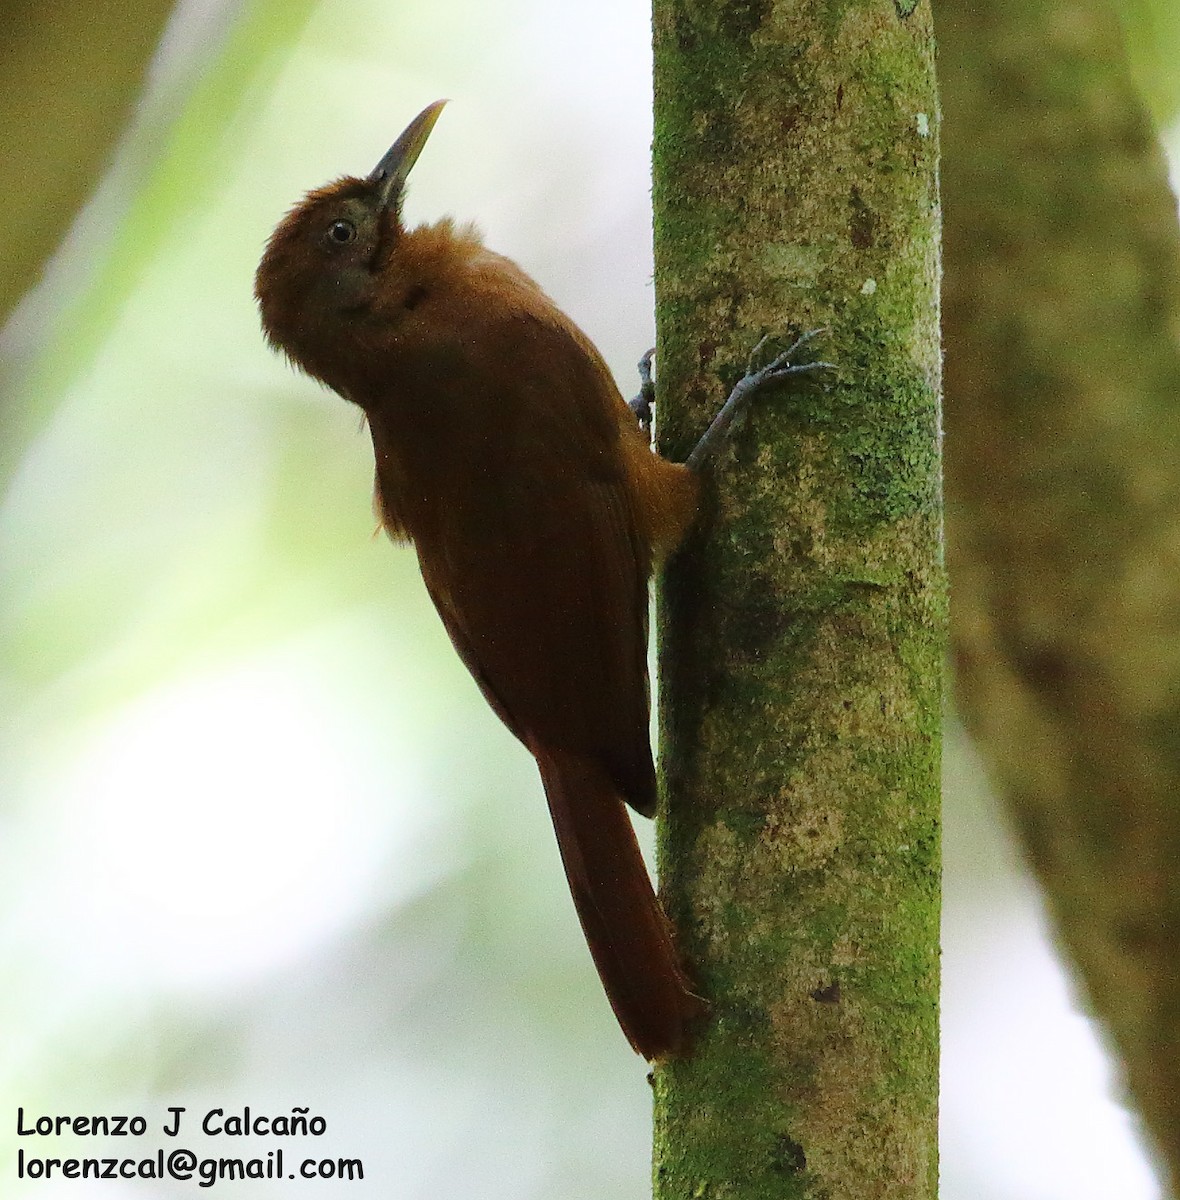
(801, 630)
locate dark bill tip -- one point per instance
(391, 172)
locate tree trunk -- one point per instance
(1063, 479)
(802, 629)
(71, 75)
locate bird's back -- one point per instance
(502, 452)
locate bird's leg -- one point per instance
(641, 404)
(779, 368)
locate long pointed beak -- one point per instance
(391, 172)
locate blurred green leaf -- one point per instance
(1152, 31)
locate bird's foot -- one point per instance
(778, 369)
(641, 405)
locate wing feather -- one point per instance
(534, 561)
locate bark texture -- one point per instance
(1063, 481)
(802, 630)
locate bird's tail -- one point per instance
(626, 928)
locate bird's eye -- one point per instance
(341, 232)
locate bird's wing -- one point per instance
(532, 555)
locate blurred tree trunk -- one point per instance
(802, 630)
(70, 75)
(1063, 483)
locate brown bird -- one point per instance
(507, 456)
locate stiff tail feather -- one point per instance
(628, 933)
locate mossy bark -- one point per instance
(802, 629)
(1063, 481)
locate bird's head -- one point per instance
(323, 263)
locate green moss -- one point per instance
(771, 1157)
(801, 628)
